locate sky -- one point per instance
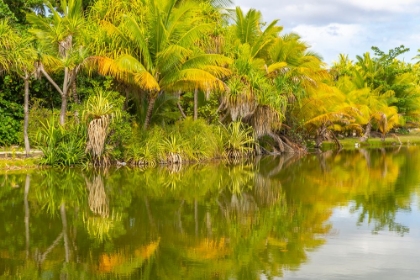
(349, 27)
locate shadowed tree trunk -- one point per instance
(320, 136)
(26, 112)
(149, 112)
(73, 89)
(195, 103)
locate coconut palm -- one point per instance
(18, 56)
(154, 48)
(373, 104)
(269, 72)
(324, 112)
(296, 73)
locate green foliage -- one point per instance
(62, 145)
(144, 147)
(11, 111)
(11, 115)
(186, 141)
(5, 11)
(17, 9)
(204, 141)
(239, 139)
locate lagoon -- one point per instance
(352, 214)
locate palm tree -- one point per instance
(18, 56)
(325, 112)
(374, 102)
(61, 46)
(270, 73)
(154, 48)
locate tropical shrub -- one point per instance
(239, 140)
(11, 112)
(62, 145)
(99, 112)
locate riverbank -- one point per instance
(351, 143)
(18, 163)
(15, 159)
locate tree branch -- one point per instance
(46, 75)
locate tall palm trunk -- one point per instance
(69, 78)
(149, 112)
(195, 103)
(63, 109)
(26, 117)
(73, 89)
(64, 93)
(368, 129)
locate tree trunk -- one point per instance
(26, 117)
(68, 79)
(66, 85)
(76, 100)
(63, 110)
(180, 107)
(321, 135)
(337, 143)
(366, 136)
(150, 106)
(181, 110)
(278, 141)
(74, 92)
(195, 103)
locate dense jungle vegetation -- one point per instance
(170, 81)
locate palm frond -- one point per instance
(191, 79)
(198, 61)
(146, 81)
(140, 38)
(171, 58)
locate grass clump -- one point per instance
(188, 141)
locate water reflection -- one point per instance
(197, 222)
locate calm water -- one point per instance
(347, 215)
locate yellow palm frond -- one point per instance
(190, 79)
(277, 66)
(146, 81)
(328, 119)
(119, 67)
(217, 71)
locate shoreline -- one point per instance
(16, 160)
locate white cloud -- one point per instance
(346, 26)
(327, 40)
(385, 5)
